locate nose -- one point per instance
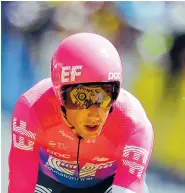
(94, 111)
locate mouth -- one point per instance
(91, 128)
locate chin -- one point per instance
(91, 136)
(90, 133)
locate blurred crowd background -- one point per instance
(150, 37)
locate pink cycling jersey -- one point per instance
(42, 141)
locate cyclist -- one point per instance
(79, 131)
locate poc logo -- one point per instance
(69, 73)
(114, 75)
(65, 156)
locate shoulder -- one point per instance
(34, 95)
(128, 122)
(41, 101)
(130, 111)
(38, 91)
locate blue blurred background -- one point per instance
(150, 37)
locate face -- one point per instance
(87, 108)
(88, 123)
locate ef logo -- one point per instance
(69, 73)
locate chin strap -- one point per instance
(64, 114)
(111, 109)
(69, 124)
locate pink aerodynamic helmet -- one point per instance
(85, 58)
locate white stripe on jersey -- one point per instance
(42, 189)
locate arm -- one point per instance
(134, 159)
(24, 153)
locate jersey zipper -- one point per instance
(78, 152)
